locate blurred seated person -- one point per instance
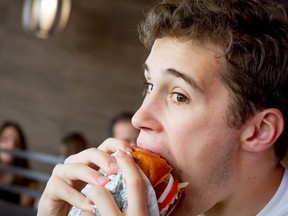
(72, 143)
(121, 128)
(12, 138)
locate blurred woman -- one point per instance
(12, 138)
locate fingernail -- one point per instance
(128, 149)
(101, 179)
(89, 208)
(113, 165)
(120, 154)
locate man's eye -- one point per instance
(148, 88)
(179, 98)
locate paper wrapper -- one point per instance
(117, 187)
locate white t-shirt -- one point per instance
(278, 205)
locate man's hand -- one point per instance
(67, 180)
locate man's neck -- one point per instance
(251, 196)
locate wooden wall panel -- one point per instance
(76, 80)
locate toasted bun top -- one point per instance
(155, 168)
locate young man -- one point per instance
(121, 128)
(215, 109)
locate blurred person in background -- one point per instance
(121, 128)
(12, 138)
(72, 143)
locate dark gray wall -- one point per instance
(76, 80)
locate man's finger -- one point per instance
(111, 145)
(55, 196)
(94, 157)
(136, 186)
(81, 172)
(104, 201)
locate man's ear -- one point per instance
(261, 131)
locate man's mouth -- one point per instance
(150, 147)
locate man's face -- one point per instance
(125, 130)
(183, 119)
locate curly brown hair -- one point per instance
(253, 35)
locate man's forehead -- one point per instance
(171, 52)
(213, 47)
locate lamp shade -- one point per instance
(44, 18)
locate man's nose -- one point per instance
(148, 115)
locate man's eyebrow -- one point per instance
(187, 79)
(176, 73)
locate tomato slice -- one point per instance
(170, 196)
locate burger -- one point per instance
(167, 188)
(163, 190)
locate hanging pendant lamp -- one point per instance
(44, 18)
